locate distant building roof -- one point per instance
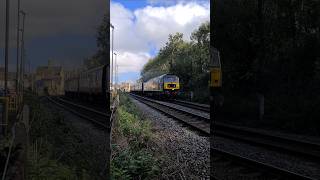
(53, 69)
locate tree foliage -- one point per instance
(188, 60)
(101, 56)
(271, 47)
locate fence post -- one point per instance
(22, 137)
(4, 116)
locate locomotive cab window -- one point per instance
(171, 79)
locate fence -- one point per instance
(113, 117)
(4, 115)
(8, 104)
(19, 136)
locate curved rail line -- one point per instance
(84, 112)
(201, 107)
(264, 169)
(193, 120)
(203, 125)
(306, 149)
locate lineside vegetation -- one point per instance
(189, 60)
(57, 149)
(132, 157)
(270, 55)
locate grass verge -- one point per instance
(131, 156)
(57, 150)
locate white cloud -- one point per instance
(125, 35)
(131, 62)
(156, 23)
(172, 2)
(139, 31)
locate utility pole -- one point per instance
(115, 54)
(117, 80)
(22, 54)
(6, 47)
(112, 57)
(18, 48)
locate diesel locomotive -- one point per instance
(165, 86)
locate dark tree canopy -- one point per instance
(271, 47)
(188, 60)
(103, 39)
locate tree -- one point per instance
(270, 47)
(188, 60)
(100, 57)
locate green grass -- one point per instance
(56, 150)
(135, 161)
(42, 166)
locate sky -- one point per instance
(142, 27)
(65, 31)
(60, 30)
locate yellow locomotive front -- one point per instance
(171, 85)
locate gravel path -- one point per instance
(188, 153)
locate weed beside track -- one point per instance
(132, 157)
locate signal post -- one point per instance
(216, 98)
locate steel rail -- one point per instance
(81, 106)
(306, 149)
(178, 114)
(263, 167)
(204, 118)
(201, 107)
(67, 105)
(302, 148)
(234, 129)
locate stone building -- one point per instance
(125, 87)
(49, 80)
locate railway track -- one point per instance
(241, 134)
(201, 107)
(195, 121)
(247, 168)
(306, 149)
(97, 117)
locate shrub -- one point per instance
(134, 161)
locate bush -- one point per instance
(41, 166)
(57, 150)
(133, 164)
(134, 161)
